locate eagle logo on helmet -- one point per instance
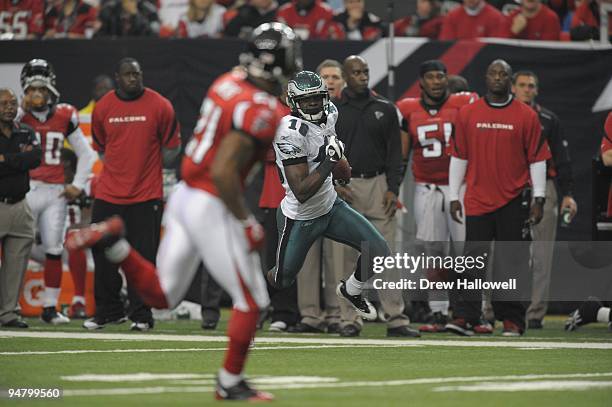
(301, 90)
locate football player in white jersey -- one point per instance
(307, 151)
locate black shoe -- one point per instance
(51, 316)
(16, 323)
(363, 307)
(241, 391)
(301, 328)
(460, 326)
(534, 324)
(350, 330)
(209, 324)
(403, 331)
(333, 328)
(101, 322)
(586, 313)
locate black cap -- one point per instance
(431, 65)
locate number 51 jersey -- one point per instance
(231, 104)
(430, 131)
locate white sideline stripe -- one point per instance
(256, 348)
(529, 386)
(134, 377)
(376, 55)
(517, 343)
(432, 380)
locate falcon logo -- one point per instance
(378, 114)
(288, 148)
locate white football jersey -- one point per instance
(298, 140)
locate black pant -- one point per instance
(211, 296)
(284, 302)
(143, 224)
(510, 260)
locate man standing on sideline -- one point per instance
(135, 130)
(54, 123)
(207, 218)
(368, 124)
(429, 122)
(19, 153)
(498, 148)
(525, 85)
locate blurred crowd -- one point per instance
(552, 20)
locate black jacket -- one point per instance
(246, 19)
(14, 170)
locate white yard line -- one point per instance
(547, 385)
(307, 384)
(471, 342)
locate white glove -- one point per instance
(334, 149)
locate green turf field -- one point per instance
(177, 361)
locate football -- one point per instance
(342, 171)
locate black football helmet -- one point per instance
(274, 53)
(39, 72)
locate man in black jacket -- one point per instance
(19, 153)
(244, 19)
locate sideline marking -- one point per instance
(544, 385)
(518, 343)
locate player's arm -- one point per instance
(607, 158)
(86, 157)
(28, 158)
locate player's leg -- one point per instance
(52, 223)
(77, 262)
(591, 310)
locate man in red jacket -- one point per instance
(310, 19)
(474, 19)
(532, 21)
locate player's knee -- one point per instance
(379, 247)
(53, 255)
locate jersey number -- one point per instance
(432, 147)
(52, 147)
(18, 26)
(209, 119)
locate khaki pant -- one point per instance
(544, 235)
(323, 262)
(17, 236)
(368, 196)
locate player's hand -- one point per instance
(334, 149)
(535, 213)
(390, 203)
(519, 22)
(345, 192)
(569, 203)
(254, 233)
(456, 211)
(71, 192)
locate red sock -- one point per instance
(240, 330)
(53, 271)
(142, 276)
(77, 261)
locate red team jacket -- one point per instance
(430, 132)
(543, 26)
(83, 17)
(131, 135)
(499, 143)
(231, 103)
(62, 120)
(314, 24)
(22, 18)
(459, 25)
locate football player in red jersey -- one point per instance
(429, 122)
(49, 193)
(22, 19)
(207, 218)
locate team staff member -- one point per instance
(135, 129)
(498, 148)
(559, 168)
(19, 153)
(368, 125)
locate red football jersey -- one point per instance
(131, 135)
(231, 103)
(606, 144)
(499, 144)
(315, 24)
(430, 132)
(459, 25)
(61, 122)
(543, 26)
(22, 18)
(82, 18)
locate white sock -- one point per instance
(51, 296)
(354, 286)
(603, 315)
(228, 379)
(439, 306)
(78, 298)
(118, 252)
